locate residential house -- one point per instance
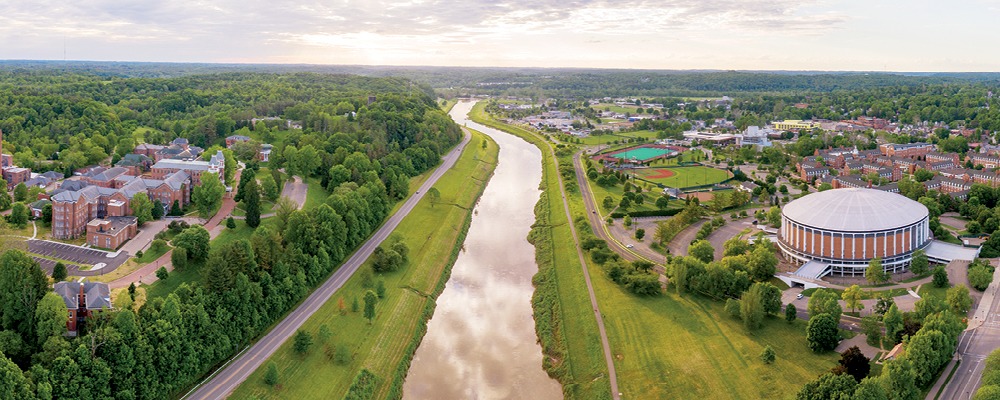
(83, 300)
(231, 140)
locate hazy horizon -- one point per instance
(755, 35)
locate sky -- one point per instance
(855, 35)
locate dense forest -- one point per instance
(362, 153)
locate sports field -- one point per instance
(643, 153)
(681, 177)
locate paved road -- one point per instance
(225, 381)
(597, 221)
(605, 344)
(982, 337)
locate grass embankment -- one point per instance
(434, 234)
(686, 346)
(564, 320)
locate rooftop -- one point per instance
(855, 210)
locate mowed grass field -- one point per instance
(687, 347)
(432, 232)
(680, 177)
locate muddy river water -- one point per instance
(481, 342)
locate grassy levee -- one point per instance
(564, 321)
(686, 346)
(434, 233)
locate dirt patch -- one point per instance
(659, 174)
(702, 196)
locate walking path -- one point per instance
(224, 381)
(596, 222)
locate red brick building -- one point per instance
(907, 149)
(83, 300)
(112, 232)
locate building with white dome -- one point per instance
(839, 231)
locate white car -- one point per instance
(799, 296)
(629, 246)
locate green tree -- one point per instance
(893, 321)
(875, 273)
(762, 263)
(271, 376)
(640, 233)
(47, 214)
(176, 210)
(752, 308)
(434, 194)
(230, 223)
(354, 305)
(899, 379)
(980, 277)
(370, 299)
(919, 263)
(13, 384)
(229, 169)
(162, 273)
(767, 356)
(662, 202)
(251, 203)
(248, 175)
(627, 221)
(195, 240)
(302, 342)
(702, 250)
(872, 329)
(735, 247)
(22, 286)
(790, 313)
(852, 296)
(50, 317)
(380, 288)
(59, 272)
(824, 301)
(958, 299)
(269, 188)
(142, 208)
(940, 277)
(19, 215)
(20, 192)
(179, 257)
(855, 363)
(821, 333)
(5, 200)
(828, 386)
(208, 196)
(157, 211)
(608, 203)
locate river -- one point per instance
(481, 342)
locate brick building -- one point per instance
(165, 167)
(111, 232)
(83, 300)
(907, 149)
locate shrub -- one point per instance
(162, 273)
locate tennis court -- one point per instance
(643, 153)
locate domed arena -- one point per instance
(844, 229)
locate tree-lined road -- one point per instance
(234, 373)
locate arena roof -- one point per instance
(855, 210)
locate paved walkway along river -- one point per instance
(481, 342)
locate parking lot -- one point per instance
(78, 255)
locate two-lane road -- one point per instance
(226, 380)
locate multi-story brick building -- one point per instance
(906, 150)
(77, 202)
(934, 157)
(166, 167)
(111, 232)
(987, 161)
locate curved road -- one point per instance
(237, 370)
